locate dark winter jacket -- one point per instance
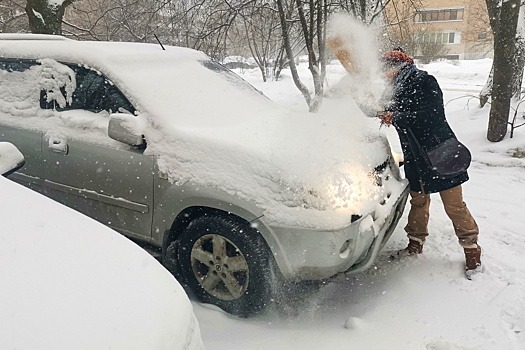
(417, 104)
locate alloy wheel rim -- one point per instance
(220, 267)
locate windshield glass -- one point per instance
(230, 76)
(186, 90)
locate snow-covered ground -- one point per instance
(423, 302)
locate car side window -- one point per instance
(17, 84)
(94, 93)
(16, 65)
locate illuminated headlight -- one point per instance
(351, 188)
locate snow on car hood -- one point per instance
(207, 126)
(211, 128)
(304, 169)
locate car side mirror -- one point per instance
(11, 159)
(125, 128)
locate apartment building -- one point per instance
(460, 28)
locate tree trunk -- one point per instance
(45, 17)
(518, 69)
(494, 14)
(520, 54)
(487, 89)
(310, 31)
(504, 58)
(289, 53)
(322, 16)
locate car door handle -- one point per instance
(58, 145)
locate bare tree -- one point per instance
(13, 17)
(207, 23)
(504, 20)
(312, 16)
(45, 17)
(493, 11)
(479, 36)
(285, 28)
(116, 20)
(258, 29)
(367, 11)
(520, 54)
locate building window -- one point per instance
(441, 15)
(439, 37)
(482, 36)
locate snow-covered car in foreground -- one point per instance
(174, 150)
(69, 282)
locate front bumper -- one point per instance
(313, 255)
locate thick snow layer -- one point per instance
(69, 282)
(207, 126)
(10, 157)
(424, 302)
(20, 92)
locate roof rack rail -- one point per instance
(28, 36)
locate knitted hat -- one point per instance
(395, 58)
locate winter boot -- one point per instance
(473, 261)
(414, 248)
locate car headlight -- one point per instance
(352, 189)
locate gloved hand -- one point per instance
(386, 118)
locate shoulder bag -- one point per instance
(447, 159)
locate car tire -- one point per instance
(227, 263)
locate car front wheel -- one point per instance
(226, 262)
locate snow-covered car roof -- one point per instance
(69, 282)
(174, 81)
(27, 36)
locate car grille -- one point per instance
(378, 176)
(380, 169)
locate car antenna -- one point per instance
(156, 37)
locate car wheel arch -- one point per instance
(187, 215)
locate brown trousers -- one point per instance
(464, 224)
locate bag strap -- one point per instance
(422, 152)
(415, 139)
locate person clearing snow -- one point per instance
(416, 110)
(435, 162)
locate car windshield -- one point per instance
(230, 76)
(185, 88)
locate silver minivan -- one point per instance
(236, 195)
